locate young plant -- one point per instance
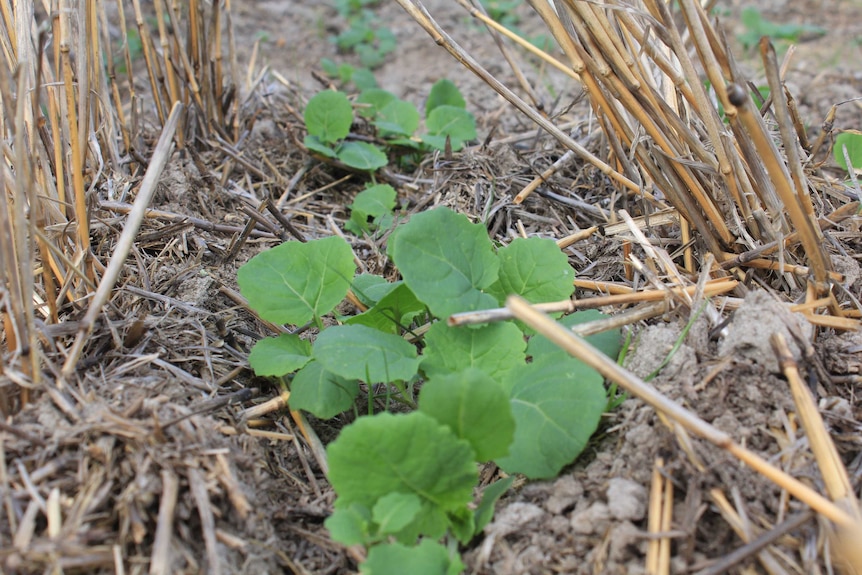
(847, 150)
(371, 210)
(329, 116)
(489, 393)
(756, 27)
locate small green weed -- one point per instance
(365, 35)
(849, 143)
(329, 117)
(491, 393)
(756, 27)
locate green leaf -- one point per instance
(398, 118)
(395, 511)
(446, 261)
(295, 282)
(462, 524)
(557, 406)
(444, 93)
(852, 140)
(360, 352)
(361, 156)
(364, 79)
(457, 123)
(485, 511)
(396, 309)
(321, 392)
(536, 269)
(314, 144)
(495, 349)
(369, 288)
(328, 116)
(427, 558)
(330, 68)
(374, 100)
(541, 348)
(277, 356)
(404, 453)
(475, 407)
(373, 202)
(350, 525)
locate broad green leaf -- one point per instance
(277, 356)
(350, 525)
(328, 116)
(446, 261)
(394, 310)
(398, 118)
(321, 392)
(405, 453)
(557, 406)
(314, 144)
(462, 524)
(330, 67)
(372, 101)
(373, 202)
(361, 156)
(536, 269)
(427, 558)
(495, 349)
(457, 123)
(360, 352)
(444, 93)
(485, 510)
(475, 407)
(541, 348)
(295, 282)
(364, 79)
(395, 511)
(852, 140)
(368, 288)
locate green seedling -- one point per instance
(847, 150)
(489, 393)
(757, 27)
(329, 117)
(371, 210)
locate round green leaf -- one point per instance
(557, 406)
(444, 93)
(395, 310)
(427, 558)
(277, 356)
(536, 269)
(446, 261)
(853, 142)
(395, 511)
(321, 392)
(314, 144)
(541, 348)
(295, 282)
(494, 349)
(411, 453)
(475, 408)
(349, 525)
(398, 118)
(373, 101)
(360, 352)
(457, 123)
(361, 156)
(328, 115)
